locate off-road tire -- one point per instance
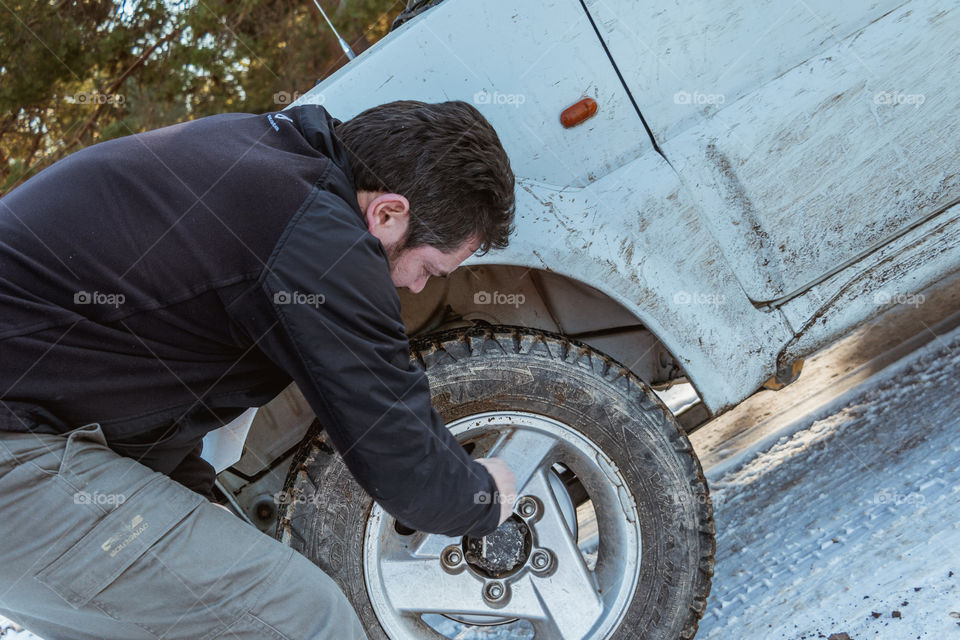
(538, 372)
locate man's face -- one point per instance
(388, 215)
(411, 268)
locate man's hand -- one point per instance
(506, 485)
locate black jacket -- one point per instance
(159, 284)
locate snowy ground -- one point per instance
(848, 524)
(851, 524)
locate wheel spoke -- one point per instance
(557, 593)
(525, 451)
(432, 544)
(420, 585)
(569, 599)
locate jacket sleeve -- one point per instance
(337, 330)
(195, 473)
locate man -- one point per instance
(155, 286)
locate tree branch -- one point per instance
(116, 84)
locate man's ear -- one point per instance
(387, 218)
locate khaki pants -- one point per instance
(97, 546)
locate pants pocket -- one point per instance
(51, 453)
(79, 438)
(118, 540)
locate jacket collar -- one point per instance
(316, 125)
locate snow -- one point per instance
(850, 525)
(846, 525)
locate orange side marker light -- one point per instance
(578, 112)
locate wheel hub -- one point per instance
(531, 568)
(501, 553)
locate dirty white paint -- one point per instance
(892, 276)
(685, 60)
(792, 176)
(834, 157)
(520, 67)
(635, 236)
(584, 211)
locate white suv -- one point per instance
(740, 184)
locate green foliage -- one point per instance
(73, 73)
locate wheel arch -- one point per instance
(700, 342)
(637, 235)
(499, 294)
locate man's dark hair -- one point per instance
(446, 159)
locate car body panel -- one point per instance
(801, 165)
(892, 275)
(720, 48)
(599, 205)
(521, 75)
(636, 236)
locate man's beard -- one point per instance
(393, 253)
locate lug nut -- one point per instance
(451, 557)
(527, 507)
(540, 560)
(494, 591)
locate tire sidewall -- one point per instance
(327, 516)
